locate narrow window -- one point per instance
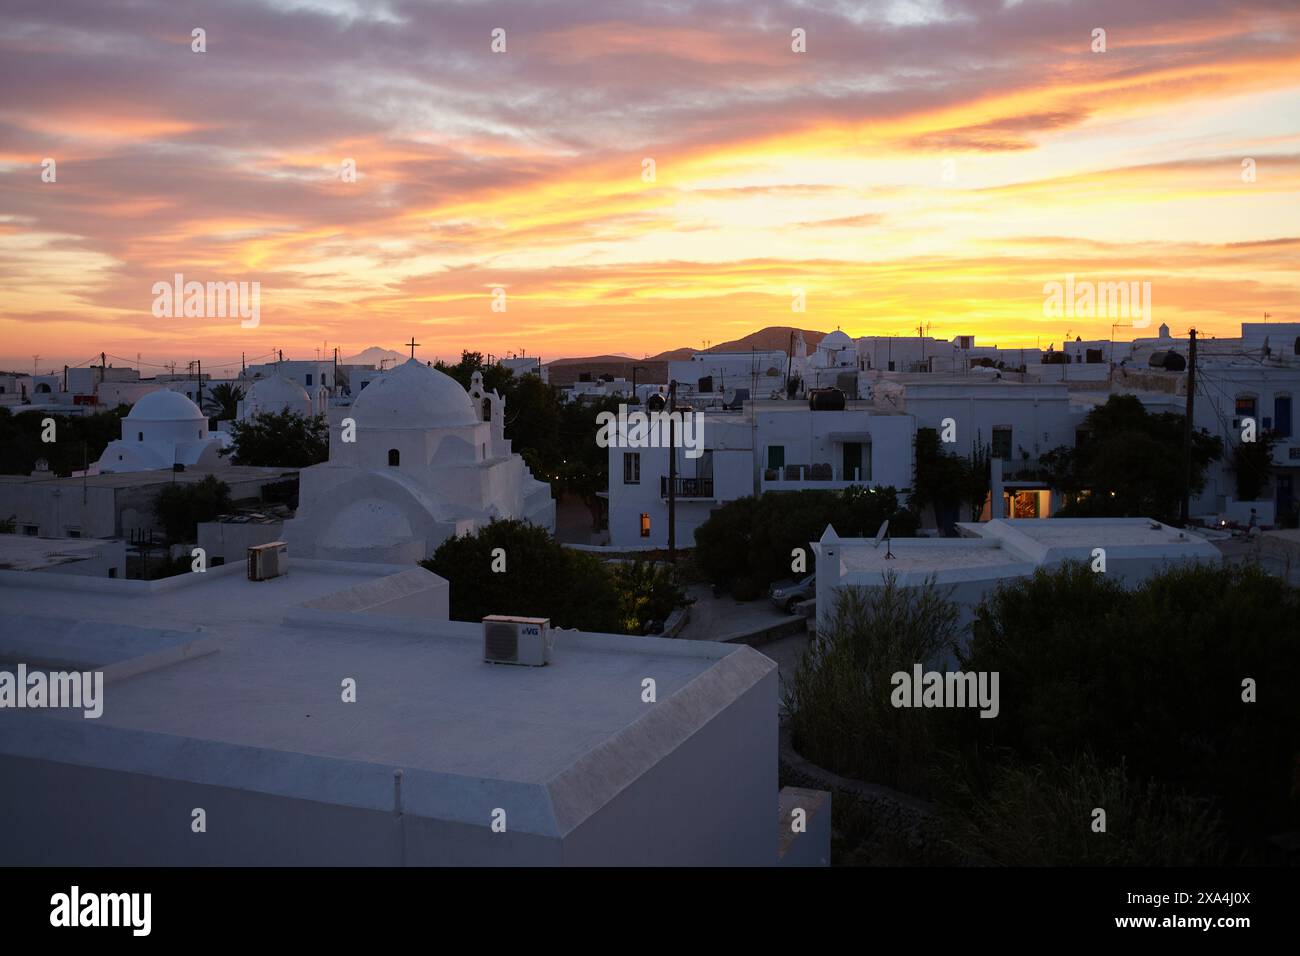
(394, 458)
(1002, 443)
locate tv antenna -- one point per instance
(883, 535)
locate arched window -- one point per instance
(487, 410)
(139, 436)
(394, 458)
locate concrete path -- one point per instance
(719, 619)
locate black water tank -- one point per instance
(1169, 361)
(826, 400)
(706, 384)
(656, 402)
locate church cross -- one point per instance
(412, 344)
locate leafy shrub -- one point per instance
(746, 544)
(81, 440)
(181, 506)
(1042, 815)
(541, 578)
(282, 439)
(1153, 677)
(647, 592)
(838, 698)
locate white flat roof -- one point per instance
(1100, 532)
(20, 552)
(924, 555)
(265, 711)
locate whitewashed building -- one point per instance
(333, 715)
(769, 446)
(429, 461)
(988, 553)
(163, 428)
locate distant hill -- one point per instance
(373, 356)
(565, 371)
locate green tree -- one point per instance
(181, 506)
(1252, 464)
(746, 544)
(222, 402)
(1130, 464)
(944, 480)
(282, 439)
(541, 578)
(80, 440)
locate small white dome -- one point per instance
(836, 340)
(413, 395)
(165, 406)
(277, 394)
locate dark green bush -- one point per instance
(181, 506)
(747, 543)
(1043, 815)
(1153, 677)
(838, 698)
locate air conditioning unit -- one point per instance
(268, 560)
(517, 640)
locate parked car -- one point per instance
(787, 595)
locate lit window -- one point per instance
(645, 525)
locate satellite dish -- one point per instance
(883, 535)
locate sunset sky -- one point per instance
(922, 162)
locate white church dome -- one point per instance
(413, 395)
(835, 340)
(277, 394)
(165, 406)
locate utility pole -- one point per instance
(672, 472)
(199, 362)
(635, 401)
(1185, 511)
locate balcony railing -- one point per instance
(687, 487)
(1024, 469)
(796, 477)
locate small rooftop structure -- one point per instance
(988, 553)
